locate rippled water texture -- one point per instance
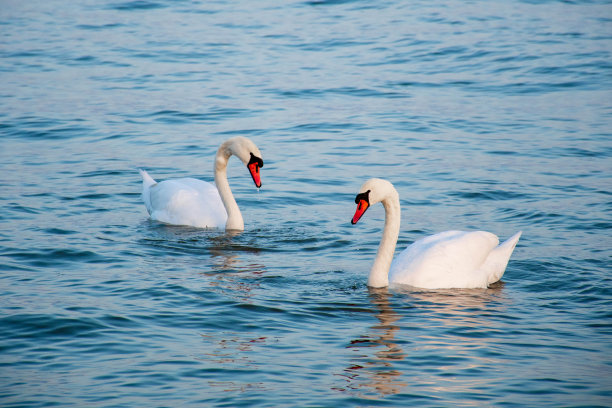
(493, 115)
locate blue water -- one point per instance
(493, 115)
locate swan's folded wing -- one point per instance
(448, 259)
(187, 202)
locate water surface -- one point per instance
(484, 115)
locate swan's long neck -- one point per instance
(379, 274)
(234, 217)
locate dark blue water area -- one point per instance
(484, 115)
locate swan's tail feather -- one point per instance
(495, 264)
(147, 182)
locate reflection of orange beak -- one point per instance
(254, 170)
(362, 206)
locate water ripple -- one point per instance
(494, 118)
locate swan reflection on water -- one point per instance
(232, 349)
(229, 271)
(217, 255)
(402, 342)
(377, 371)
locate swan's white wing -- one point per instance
(147, 182)
(187, 201)
(496, 262)
(450, 259)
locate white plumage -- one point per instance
(451, 259)
(185, 201)
(197, 203)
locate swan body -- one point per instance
(451, 259)
(197, 203)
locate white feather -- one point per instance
(451, 259)
(197, 203)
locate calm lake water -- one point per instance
(493, 115)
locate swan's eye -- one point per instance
(363, 197)
(255, 160)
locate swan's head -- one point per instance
(371, 192)
(248, 153)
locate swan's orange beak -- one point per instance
(362, 206)
(363, 203)
(254, 169)
(254, 165)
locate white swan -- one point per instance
(188, 201)
(451, 259)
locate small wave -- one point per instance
(495, 195)
(213, 115)
(330, 2)
(49, 328)
(59, 231)
(345, 91)
(98, 27)
(136, 5)
(18, 208)
(54, 257)
(323, 127)
(534, 216)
